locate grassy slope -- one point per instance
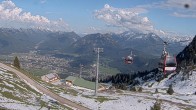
(13, 88)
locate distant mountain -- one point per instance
(147, 43)
(58, 42)
(171, 38)
(84, 47)
(147, 48)
(150, 42)
(142, 42)
(87, 43)
(113, 53)
(19, 40)
(25, 40)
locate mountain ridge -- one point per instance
(116, 46)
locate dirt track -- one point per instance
(44, 90)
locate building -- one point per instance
(80, 82)
(52, 77)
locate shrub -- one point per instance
(170, 90)
(140, 89)
(156, 91)
(133, 89)
(156, 106)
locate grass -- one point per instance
(47, 85)
(71, 91)
(53, 107)
(86, 96)
(102, 99)
(14, 95)
(187, 109)
(23, 84)
(7, 87)
(38, 72)
(119, 91)
(109, 70)
(37, 79)
(28, 88)
(43, 104)
(29, 74)
(11, 96)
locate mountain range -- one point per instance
(146, 48)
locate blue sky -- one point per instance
(91, 16)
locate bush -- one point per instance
(133, 89)
(140, 89)
(156, 106)
(170, 90)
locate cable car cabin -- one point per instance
(129, 60)
(168, 64)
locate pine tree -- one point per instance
(156, 91)
(170, 90)
(156, 106)
(16, 63)
(133, 89)
(140, 89)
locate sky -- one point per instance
(162, 17)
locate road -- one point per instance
(44, 90)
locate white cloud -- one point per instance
(127, 19)
(91, 30)
(94, 28)
(119, 20)
(184, 15)
(13, 16)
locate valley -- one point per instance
(74, 50)
(67, 61)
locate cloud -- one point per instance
(184, 15)
(127, 19)
(94, 28)
(179, 3)
(43, 1)
(177, 7)
(12, 16)
(181, 10)
(130, 19)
